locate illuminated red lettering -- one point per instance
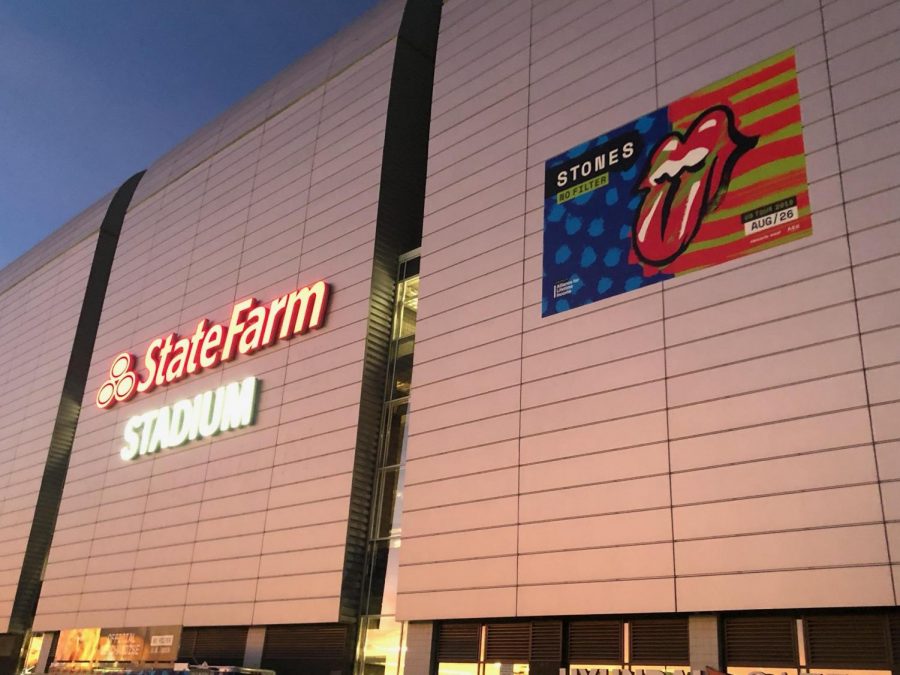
(276, 312)
(151, 363)
(178, 364)
(209, 351)
(251, 327)
(164, 352)
(251, 338)
(235, 327)
(193, 365)
(302, 313)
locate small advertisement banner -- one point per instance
(162, 643)
(121, 644)
(711, 177)
(77, 644)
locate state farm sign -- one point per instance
(252, 327)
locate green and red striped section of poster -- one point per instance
(714, 176)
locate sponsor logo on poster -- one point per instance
(711, 177)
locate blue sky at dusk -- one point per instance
(92, 91)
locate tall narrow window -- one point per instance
(382, 638)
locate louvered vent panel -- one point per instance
(546, 641)
(220, 646)
(186, 647)
(596, 642)
(659, 641)
(458, 642)
(305, 642)
(894, 624)
(508, 642)
(848, 641)
(760, 641)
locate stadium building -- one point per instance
(492, 337)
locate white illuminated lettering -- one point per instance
(226, 408)
(160, 437)
(237, 410)
(194, 433)
(148, 419)
(132, 438)
(180, 426)
(211, 412)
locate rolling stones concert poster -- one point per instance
(714, 176)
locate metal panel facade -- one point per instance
(42, 309)
(248, 527)
(722, 441)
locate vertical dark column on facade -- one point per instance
(401, 204)
(54, 478)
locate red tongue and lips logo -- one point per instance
(686, 177)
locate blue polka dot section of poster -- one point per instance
(587, 230)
